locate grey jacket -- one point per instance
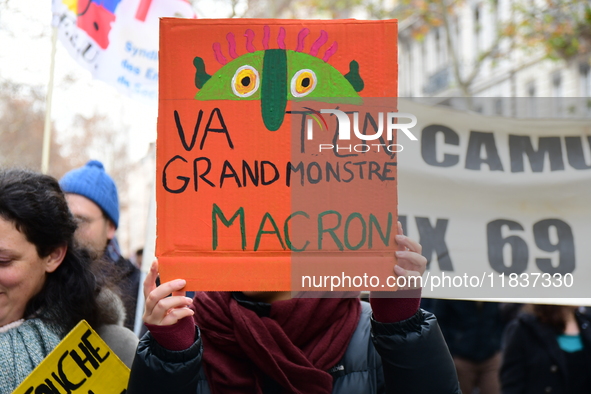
(406, 357)
(120, 339)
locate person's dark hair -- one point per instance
(36, 205)
(551, 315)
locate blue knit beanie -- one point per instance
(92, 182)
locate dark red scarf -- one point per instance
(300, 340)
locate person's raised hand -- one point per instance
(410, 261)
(160, 309)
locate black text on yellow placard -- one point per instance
(81, 363)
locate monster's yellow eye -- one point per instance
(245, 81)
(303, 83)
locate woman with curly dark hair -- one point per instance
(47, 284)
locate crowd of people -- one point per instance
(512, 348)
(60, 264)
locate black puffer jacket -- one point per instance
(409, 357)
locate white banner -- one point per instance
(117, 40)
(501, 206)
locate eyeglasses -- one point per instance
(82, 221)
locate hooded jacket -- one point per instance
(119, 338)
(405, 357)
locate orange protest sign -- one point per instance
(276, 153)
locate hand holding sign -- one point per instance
(410, 261)
(160, 309)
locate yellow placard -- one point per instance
(81, 363)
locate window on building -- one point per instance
(531, 89)
(557, 84)
(531, 101)
(424, 60)
(408, 63)
(585, 71)
(585, 78)
(499, 106)
(496, 27)
(457, 45)
(437, 47)
(477, 30)
(557, 94)
(439, 61)
(496, 4)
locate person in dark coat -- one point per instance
(548, 351)
(473, 332)
(268, 342)
(93, 200)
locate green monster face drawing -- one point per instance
(275, 76)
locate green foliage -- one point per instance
(561, 27)
(427, 14)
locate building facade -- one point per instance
(427, 67)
